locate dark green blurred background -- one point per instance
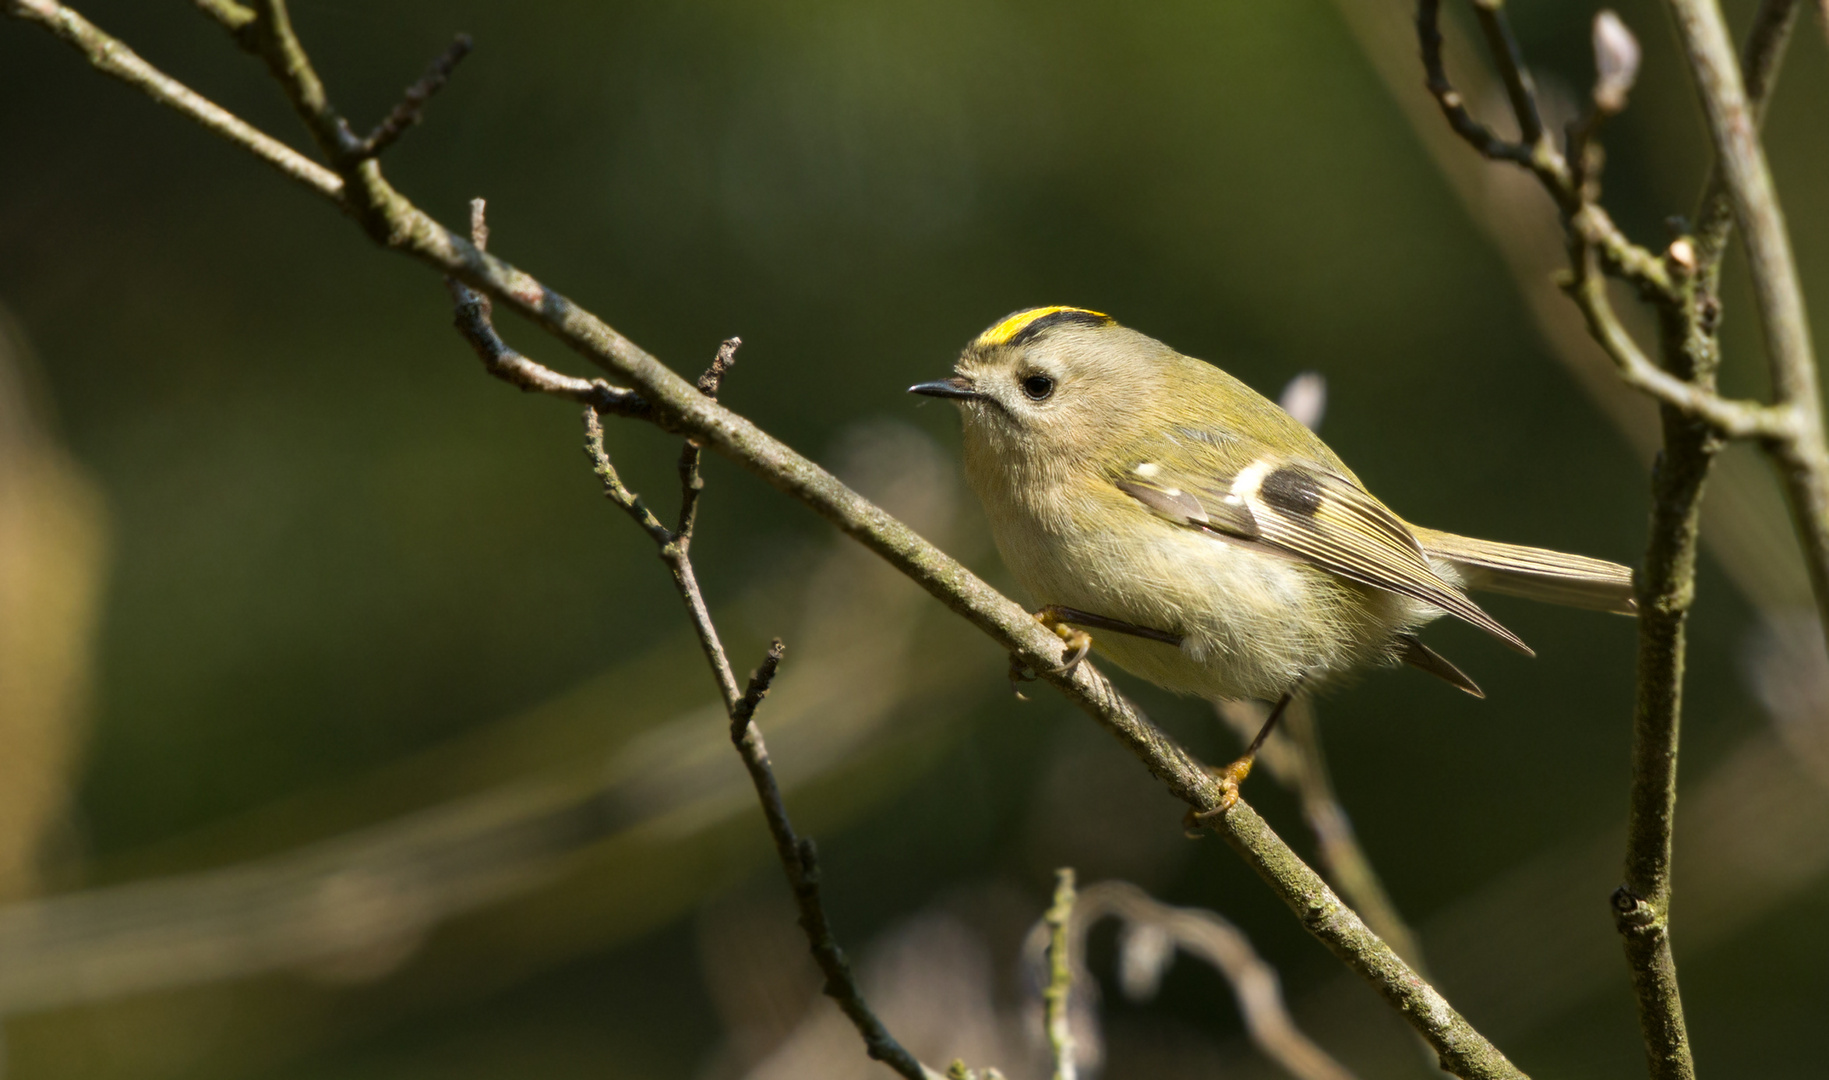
(339, 569)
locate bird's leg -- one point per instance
(1234, 774)
(1056, 618)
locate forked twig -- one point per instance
(1683, 286)
(473, 315)
(799, 859)
(1153, 932)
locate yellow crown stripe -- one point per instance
(1015, 324)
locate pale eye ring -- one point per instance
(1037, 386)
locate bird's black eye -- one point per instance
(1037, 386)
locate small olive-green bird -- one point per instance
(1211, 543)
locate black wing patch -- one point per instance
(1293, 490)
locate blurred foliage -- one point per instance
(339, 552)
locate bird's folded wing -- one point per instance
(1305, 510)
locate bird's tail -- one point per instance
(1533, 573)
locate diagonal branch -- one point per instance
(677, 406)
(269, 35)
(112, 57)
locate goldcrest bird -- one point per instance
(1211, 543)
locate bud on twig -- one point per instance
(1616, 57)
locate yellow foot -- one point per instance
(1229, 779)
(1077, 640)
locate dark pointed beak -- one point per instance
(958, 387)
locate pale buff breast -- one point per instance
(1252, 621)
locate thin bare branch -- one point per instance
(1666, 584)
(479, 223)
(471, 317)
(1732, 418)
(1295, 759)
(234, 17)
(1153, 931)
(799, 859)
(412, 105)
(759, 682)
(1453, 105)
(1571, 187)
(713, 379)
(111, 57)
(691, 483)
(1518, 84)
(1058, 991)
(1348, 865)
(672, 552)
(271, 37)
(630, 503)
(1760, 62)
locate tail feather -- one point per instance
(1423, 658)
(1533, 573)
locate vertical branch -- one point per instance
(1801, 455)
(1666, 590)
(1060, 977)
(1695, 421)
(1667, 582)
(691, 483)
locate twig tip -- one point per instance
(713, 380)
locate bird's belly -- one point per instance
(1253, 623)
